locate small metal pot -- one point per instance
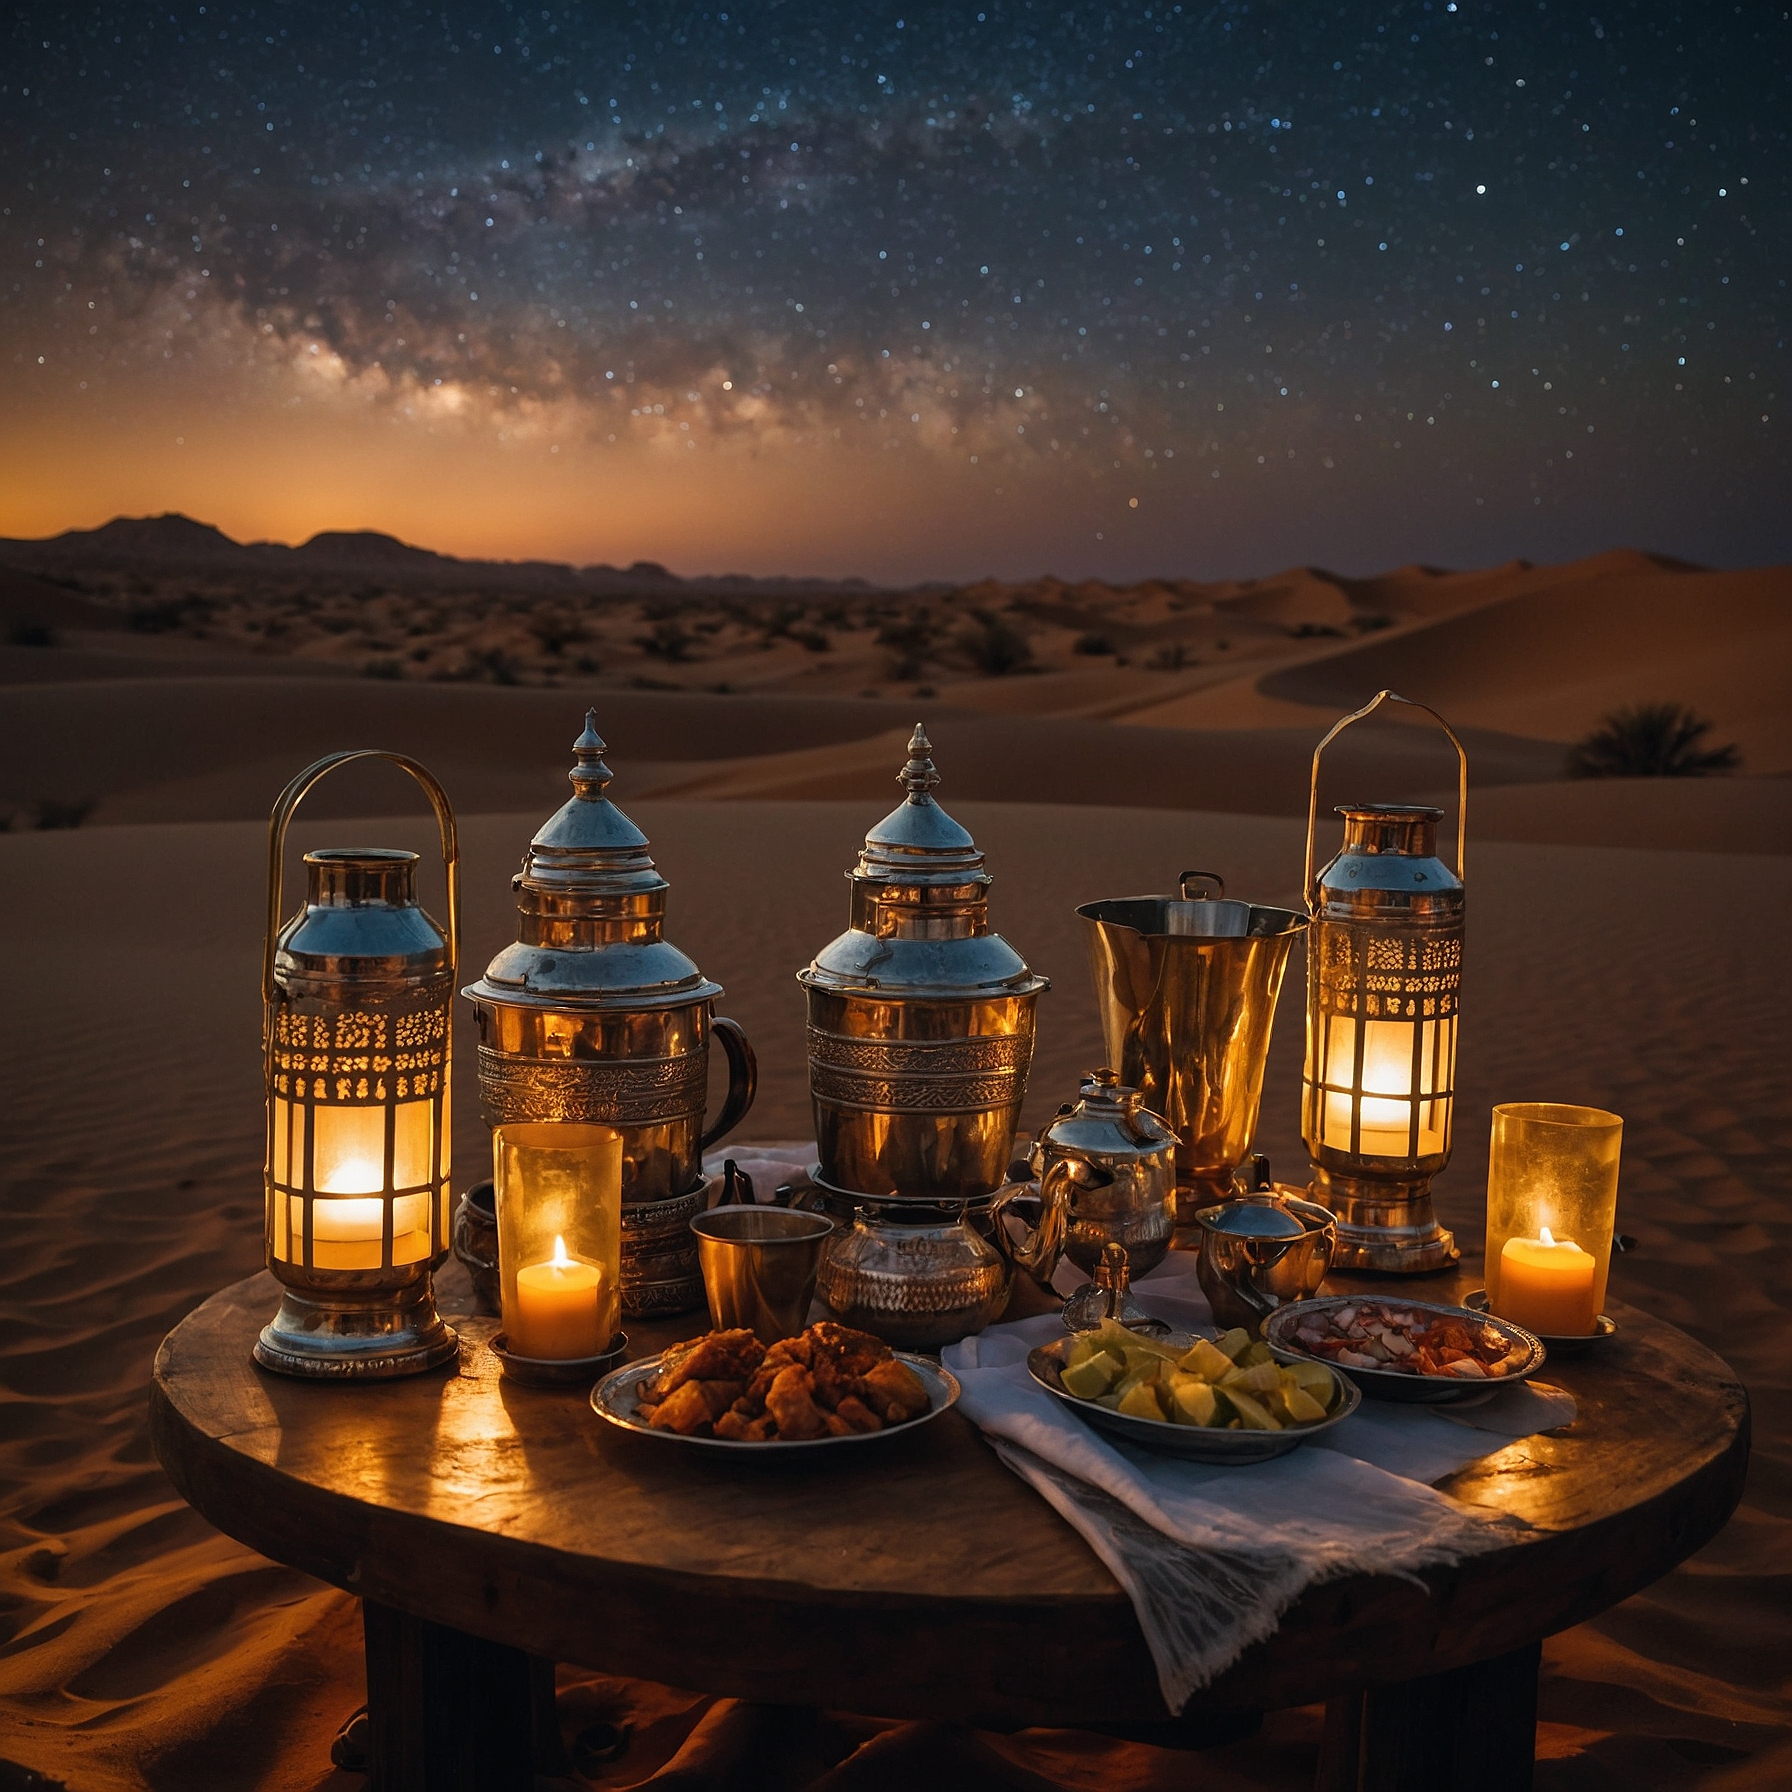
(476, 1243)
(1260, 1252)
(916, 1287)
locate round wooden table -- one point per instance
(486, 1526)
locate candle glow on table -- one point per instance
(1546, 1285)
(559, 1309)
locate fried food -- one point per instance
(829, 1381)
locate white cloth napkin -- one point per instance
(1212, 1556)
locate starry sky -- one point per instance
(906, 291)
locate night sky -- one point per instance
(906, 291)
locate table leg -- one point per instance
(447, 1712)
(1473, 1729)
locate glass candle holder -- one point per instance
(559, 1200)
(1552, 1207)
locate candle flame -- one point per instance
(1546, 1237)
(561, 1260)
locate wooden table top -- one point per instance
(914, 1578)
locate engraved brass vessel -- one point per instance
(593, 1015)
(1187, 989)
(920, 1018)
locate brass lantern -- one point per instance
(356, 992)
(1384, 972)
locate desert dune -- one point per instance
(1624, 948)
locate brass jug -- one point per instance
(920, 1018)
(1187, 989)
(592, 1014)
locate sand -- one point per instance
(1626, 947)
(147, 1651)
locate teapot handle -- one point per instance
(743, 1079)
(1044, 1244)
(1202, 877)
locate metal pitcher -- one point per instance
(1187, 989)
(591, 1014)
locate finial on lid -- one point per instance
(918, 777)
(590, 776)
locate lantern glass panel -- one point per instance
(559, 1200)
(1555, 1165)
(1407, 1076)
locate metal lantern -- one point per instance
(1384, 971)
(356, 992)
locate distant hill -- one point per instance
(176, 543)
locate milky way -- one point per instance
(1416, 269)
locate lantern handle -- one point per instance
(1338, 728)
(296, 792)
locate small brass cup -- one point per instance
(760, 1266)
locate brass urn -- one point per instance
(593, 1015)
(920, 1018)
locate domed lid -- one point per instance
(920, 906)
(1109, 1123)
(590, 908)
(918, 843)
(1254, 1216)
(588, 847)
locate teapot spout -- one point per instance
(1038, 1251)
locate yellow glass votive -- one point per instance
(558, 1187)
(1552, 1170)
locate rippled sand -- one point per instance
(138, 1648)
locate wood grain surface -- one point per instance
(918, 1578)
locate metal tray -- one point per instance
(1391, 1384)
(1557, 1344)
(1195, 1442)
(613, 1399)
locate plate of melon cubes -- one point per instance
(1223, 1399)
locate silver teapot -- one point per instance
(1111, 1163)
(1260, 1251)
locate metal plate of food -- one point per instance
(616, 1398)
(1199, 1443)
(1446, 1354)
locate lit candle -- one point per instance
(558, 1309)
(1546, 1285)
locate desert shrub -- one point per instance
(994, 646)
(493, 664)
(669, 641)
(1308, 631)
(1092, 643)
(157, 618)
(1369, 625)
(1171, 656)
(910, 640)
(814, 639)
(555, 632)
(1651, 740)
(31, 634)
(383, 668)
